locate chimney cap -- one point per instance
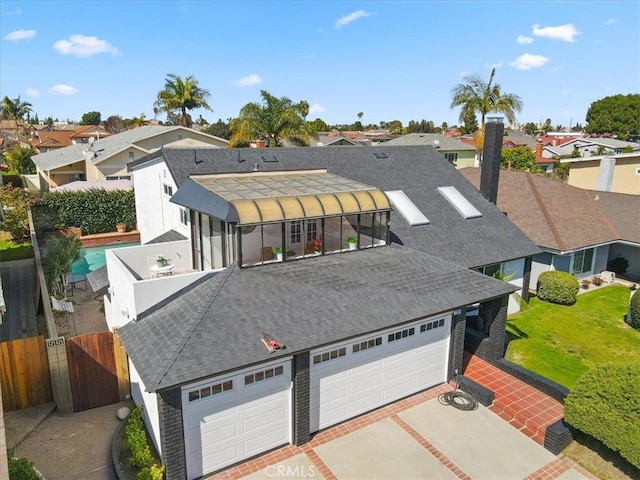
(494, 119)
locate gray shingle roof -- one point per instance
(418, 170)
(104, 148)
(215, 325)
(447, 144)
(170, 236)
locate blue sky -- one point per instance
(391, 60)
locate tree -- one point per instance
(19, 159)
(16, 221)
(114, 124)
(60, 254)
(274, 119)
(530, 128)
(396, 128)
(546, 128)
(219, 129)
(618, 115)
(477, 96)
(180, 95)
(423, 126)
(319, 125)
(470, 122)
(520, 158)
(360, 115)
(91, 118)
(303, 106)
(14, 110)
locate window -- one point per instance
(407, 332)
(452, 157)
(490, 270)
(263, 375)
(432, 325)
(312, 230)
(209, 390)
(327, 356)
(131, 156)
(184, 217)
(582, 261)
(168, 189)
(459, 202)
(406, 208)
(296, 232)
(359, 347)
(119, 177)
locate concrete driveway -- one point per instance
(418, 438)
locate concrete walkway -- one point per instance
(417, 437)
(70, 446)
(20, 294)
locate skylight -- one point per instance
(380, 155)
(269, 158)
(459, 202)
(406, 208)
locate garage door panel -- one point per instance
(226, 453)
(265, 439)
(373, 376)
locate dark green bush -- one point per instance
(618, 265)
(634, 310)
(21, 469)
(604, 403)
(558, 287)
(137, 440)
(94, 210)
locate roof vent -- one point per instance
(380, 155)
(269, 158)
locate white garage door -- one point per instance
(348, 379)
(235, 417)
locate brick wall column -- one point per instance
(172, 434)
(526, 279)
(301, 399)
(496, 322)
(458, 325)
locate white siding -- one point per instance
(150, 403)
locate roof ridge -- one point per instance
(545, 212)
(602, 214)
(185, 338)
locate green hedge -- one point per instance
(634, 310)
(605, 403)
(558, 287)
(94, 210)
(138, 444)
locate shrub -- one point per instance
(137, 440)
(154, 472)
(618, 265)
(597, 281)
(21, 469)
(604, 404)
(558, 287)
(634, 311)
(585, 283)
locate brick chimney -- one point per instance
(260, 143)
(539, 150)
(491, 157)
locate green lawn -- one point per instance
(14, 251)
(563, 342)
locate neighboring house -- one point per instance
(579, 231)
(455, 151)
(362, 328)
(43, 141)
(333, 139)
(107, 158)
(618, 173)
(595, 147)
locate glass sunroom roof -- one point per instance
(260, 197)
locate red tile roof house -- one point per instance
(362, 328)
(579, 231)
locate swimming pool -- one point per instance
(92, 258)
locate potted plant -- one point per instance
(353, 243)
(121, 227)
(317, 245)
(277, 251)
(585, 283)
(597, 280)
(162, 261)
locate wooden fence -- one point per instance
(24, 375)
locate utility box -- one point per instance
(607, 276)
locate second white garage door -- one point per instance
(348, 379)
(235, 417)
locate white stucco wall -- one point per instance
(541, 263)
(515, 268)
(601, 257)
(154, 212)
(150, 403)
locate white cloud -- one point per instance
(611, 21)
(33, 93)
(352, 17)
(20, 35)
(83, 46)
(316, 108)
(528, 61)
(561, 32)
(62, 89)
(248, 81)
(524, 40)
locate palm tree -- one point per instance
(180, 95)
(476, 96)
(14, 110)
(274, 119)
(479, 97)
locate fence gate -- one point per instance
(93, 371)
(24, 374)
